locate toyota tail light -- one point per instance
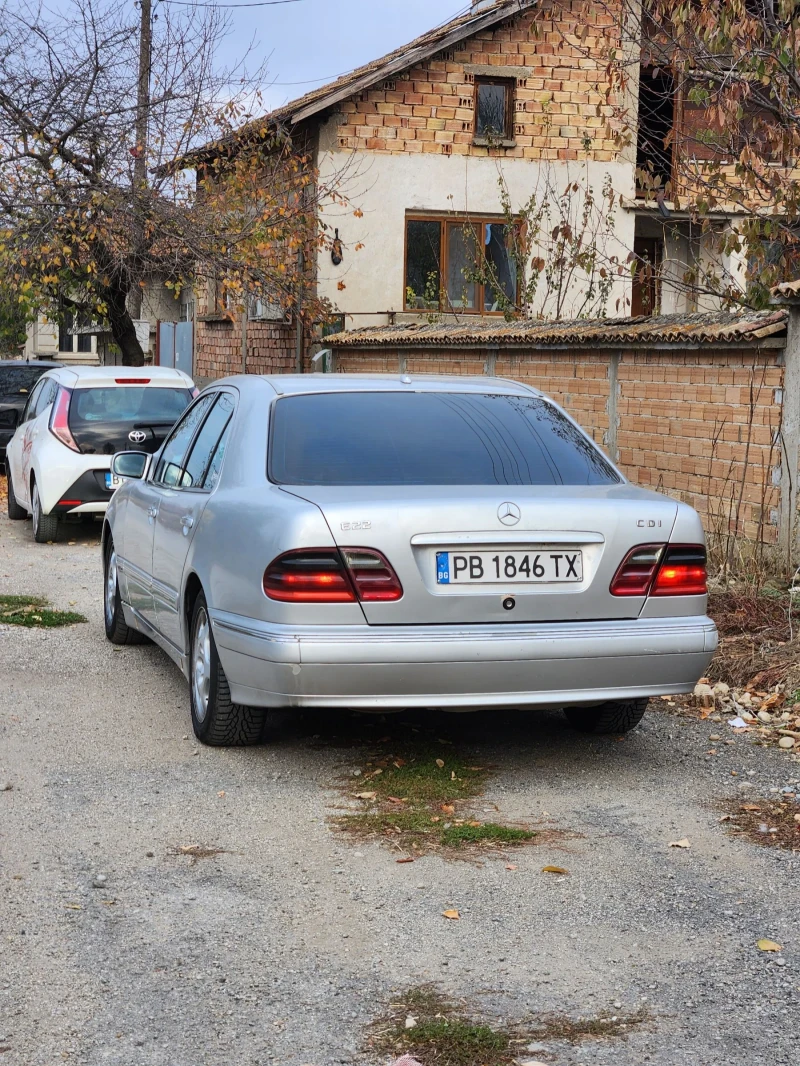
(683, 572)
(59, 418)
(662, 570)
(326, 575)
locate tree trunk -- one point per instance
(123, 329)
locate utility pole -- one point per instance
(142, 119)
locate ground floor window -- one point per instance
(465, 265)
(68, 340)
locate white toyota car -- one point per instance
(58, 461)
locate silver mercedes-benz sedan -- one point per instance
(380, 542)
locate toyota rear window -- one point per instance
(127, 404)
(429, 438)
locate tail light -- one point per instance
(328, 576)
(132, 381)
(372, 575)
(683, 572)
(662, 570)
(59, 419)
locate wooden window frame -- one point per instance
(509, 84)
(444, 305)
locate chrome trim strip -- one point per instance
(519, 536)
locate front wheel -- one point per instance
(117, 629)
(216, 719)
(15, 511)
(618, 716)
(45, 526)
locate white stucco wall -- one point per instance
(385, 187)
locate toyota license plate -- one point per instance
(113, 481)
(499, 567)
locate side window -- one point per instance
(207, 440)
(168, 471)
(46, 396)
(30, 406)
(212, 476)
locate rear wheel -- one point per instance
(216, 719)
(15, 510)
(45, 526)
(619, 716)
(117, 629)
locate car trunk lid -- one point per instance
(577, 535)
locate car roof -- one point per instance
(297, 384)
(44, 363)
(83, 377)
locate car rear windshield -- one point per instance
(425, 438)
(19, 380)
(127, 404)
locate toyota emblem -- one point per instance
(509, 514)
(137, 436)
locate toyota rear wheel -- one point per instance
(15, 511)
(45, 526)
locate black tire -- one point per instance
(15, 511)
(45, 526)
(117, 629)
(619, 716)
(216, 719)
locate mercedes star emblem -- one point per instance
(137, 436)
(509, 514)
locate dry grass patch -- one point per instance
(33, 612)
(415, 802)
(425, 1024)
(770, 823)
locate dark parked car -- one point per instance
(17, 378)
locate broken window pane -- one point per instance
(423, 259)
(501, 268)
(491, 119)
(462, 255)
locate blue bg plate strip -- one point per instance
(443, 568)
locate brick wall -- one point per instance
(699, 425)
(271, 348)
(560, 100)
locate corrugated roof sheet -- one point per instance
(435, 40)
(705, 328)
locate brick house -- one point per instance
(514, 89)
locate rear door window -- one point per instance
(46, 396)
(33, 399)
(206, 442)
(170, 464)
(430, 438)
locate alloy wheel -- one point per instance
(201, 665)
(111, 588)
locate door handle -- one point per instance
(152, 512)
(187, 522)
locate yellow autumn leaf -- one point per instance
(554, 870)
(768, 945)
(453, 915)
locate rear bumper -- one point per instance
(461, 667)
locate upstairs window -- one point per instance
(466, 265)
(656, 122)
(494, 109)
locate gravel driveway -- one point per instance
(285, 946)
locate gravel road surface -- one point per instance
(285, 946)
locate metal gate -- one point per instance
(175, 345)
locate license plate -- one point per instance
(113, 481)
(540, 566)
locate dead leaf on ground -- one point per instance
(554, 870)
(453, 915)
(684, 843)
(409, 859)
(440, 763)
(768, 945)
(366, 795)
(198, 851)
(510, 866)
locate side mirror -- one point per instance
(131, 464)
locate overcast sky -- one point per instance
(313, 41)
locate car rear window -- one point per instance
(424, 438)
(19, 380)
(127, 404)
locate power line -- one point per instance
(256, 3)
